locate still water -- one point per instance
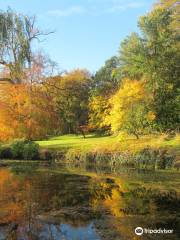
(64, 206)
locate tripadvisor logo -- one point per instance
(140, 231)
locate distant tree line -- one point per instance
(136, 91)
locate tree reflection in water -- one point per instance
(69, 206)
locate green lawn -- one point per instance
(108, 142)
(77, 141)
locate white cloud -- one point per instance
(66, 12)
(109, 6)
(114, 1)
(124, 7)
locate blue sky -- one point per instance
(87, 32)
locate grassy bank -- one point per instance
(148, 152)
(112, 143)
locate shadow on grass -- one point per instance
(97, 136)
(76, 137)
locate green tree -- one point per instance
(154, 56)
(174, 7)
(131, 57)
(105, 81)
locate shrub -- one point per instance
(17, 148)
(24, 149)
(30, 151)
(5, 153)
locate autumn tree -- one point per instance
(70, 93)
(26, 109)
(129, 109)
(23, 112)
(25, 116)
(99, 108)
(153, 55)
(105, 83)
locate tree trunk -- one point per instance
(136, 135)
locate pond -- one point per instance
(74, 205)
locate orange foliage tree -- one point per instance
(25, 113)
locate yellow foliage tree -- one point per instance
(99, 108)
(129, 109)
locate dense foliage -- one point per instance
(20, 150)
(152, 58)
(136, 92)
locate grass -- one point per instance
(112, 143)
(76, 141)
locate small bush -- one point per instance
(24, 149)
(30, 151)
(17, 148)
(5, 153)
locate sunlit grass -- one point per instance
(112, 143)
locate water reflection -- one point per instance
(45, 202)
(67, 206)
(136, 205)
